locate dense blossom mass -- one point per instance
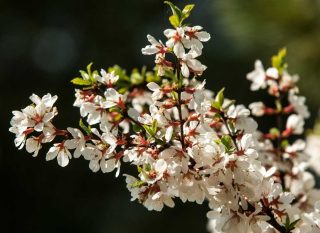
(186, 142)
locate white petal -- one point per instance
(63, 159)
(94, 165)
(48, 116)
(31, 145)
(149, 50)
(203, 36)
(39, 127)
(152, 40)
(52, 153)
(169, 132)
(134, 114)
(108, 165)
(160, 166)
(178, 50)
(153, 86)
(185, 70)
(71, 144)
(35, 99)
(169, 32)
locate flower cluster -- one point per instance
(281, 147)
(184, 42)
(186, 142)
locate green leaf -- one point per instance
(284, 144)
(123, 90)
(186, 11)
(278, 61)
(136, 78)
(226, 140)
(152, 77)
(154, 127)
(120, 72)
(137, 184)
(174, 95)
(87, 77)
(175, 10)
(215, 105)
(86, 129)
(151, 129)
(89, 71)
(175, 18)
(81, 82)
(293, 224)
(290, 225)
(219, 98)
(147, 167)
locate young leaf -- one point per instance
(137, 184)
(186, 11)
(278, 61)
(175, 18)
(227, 142)
(136, 78)
(86, 129)
(81, 82)
(219, 99)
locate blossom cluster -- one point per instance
(282, 146)
(185, 141)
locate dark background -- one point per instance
(44, 43)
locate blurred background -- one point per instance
(44, 43)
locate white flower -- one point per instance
(298, 103)
(193, 38)
(287, 81)
(257, 108)
(156, 201)
(257, 77)
(191, 65)
(42, 113)
(78, 141)
(247, 147)
(235, 111)
(240, 114)
(113, 98)
(155, 47)
(272, 73)
(94, 110)
(156, 89)
(295, 124)
(62, 153)
(107, 79)
(175, 37)
(47, 100)
(134, 190)
(33, 145)
(19, 122)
